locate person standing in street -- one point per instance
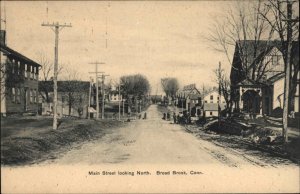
(174, 117)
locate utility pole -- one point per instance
(90, 94)
(103, 93)
(289, 21)
(123, 113)
(96, 63)
(56, 27)
(120, 100)
(219, 106)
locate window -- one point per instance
(19, 68)
(31, 96)
(205, 101)
(12, 67)
(210, 113)
(34, 96)
(211, 97)
(18, 96)
(31, 70)
(25, 70)
(13, 94)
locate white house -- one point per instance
(213, 97)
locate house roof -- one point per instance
(194, 96)
(275, 78)
(10, 52)
(65, 86)
(248, 82)
(255, 51)
(213, 106)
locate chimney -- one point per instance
(2, 37)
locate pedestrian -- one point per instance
(174, 117)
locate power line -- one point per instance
(103, 93)
(96, 63)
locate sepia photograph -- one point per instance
(196, 96)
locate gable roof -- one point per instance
(194, 96)
(10, 52)
(248, 82)
(255, 51)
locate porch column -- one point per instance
(240, 99)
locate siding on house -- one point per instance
(213, 97)
(278, 94)
(21, 82)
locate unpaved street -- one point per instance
(157, 141)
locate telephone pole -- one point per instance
(56, 27)
(103, 93)
(96, 63)
(90, 94)
(219, 105)
(119, 101)
(289, 21)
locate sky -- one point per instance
(156, 39)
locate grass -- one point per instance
(28, 140)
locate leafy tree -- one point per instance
(170, 86)
(135, 85)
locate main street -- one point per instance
(156, 141)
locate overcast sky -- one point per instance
(156, 39)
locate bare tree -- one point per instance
(276, 18)
(46, 74)
(287, 29)
(73, 89)
(243, 22)
(170, 86)
(3, 77)
(225, 87)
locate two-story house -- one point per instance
(189, 98)
(19, 81)
(212, 101)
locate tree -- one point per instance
(170, 86)
(74, 90)
(46, 74)
(225, 87)
(280, 18)
(243, 22)
(276, 18)
(134, 87)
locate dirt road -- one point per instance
(156, 141)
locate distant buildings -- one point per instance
(189, 98)
(19, 81)
(114, 95)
